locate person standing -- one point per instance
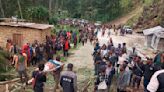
(39, 77)
(137, 71)
(57, 72)
(148, 71)
(156, 83)
(68, 79)
(122, 79)
(66, 47)
(110, 71)
(101, 84)
(21, 65)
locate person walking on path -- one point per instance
(21, 65)
(68, 79)
(57, 72)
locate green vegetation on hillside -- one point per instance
(151, 16)
(44, 10)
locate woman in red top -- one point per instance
(66, 47)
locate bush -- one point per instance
(4, 64)
(53, 20)
(37, 14)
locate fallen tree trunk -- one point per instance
(9, 81)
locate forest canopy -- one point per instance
(43, 10)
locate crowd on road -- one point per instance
(126, 68)
(110, 61)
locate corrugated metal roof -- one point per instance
(153, 30)
(27, 25)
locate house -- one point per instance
(149, 34)
(23, 32)
(158, 41)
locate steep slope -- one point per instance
(151, 16)
(128, 16)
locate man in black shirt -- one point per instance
(40, 78)
(148, 71)
(137, 71)
(68, 80)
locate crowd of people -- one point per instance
(110, 62)
(116, 63)
(43, 55)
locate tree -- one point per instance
(20, 9)
(50, 8)
(37, 14)
(2, 10)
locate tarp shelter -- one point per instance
(158, 41)
(149, 34)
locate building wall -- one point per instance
(148, 40)
(160, 46)
(29, 35)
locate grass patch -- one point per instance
(133, 20)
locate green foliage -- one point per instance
(53, 20)
(3, 61)
(95, 10)
(133, 20)
(148, 2)
(37, 14)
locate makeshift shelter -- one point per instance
(158, 41)
(149, 34)
(23, 32)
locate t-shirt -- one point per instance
(40, 78)
(68, 81)
(21, 63)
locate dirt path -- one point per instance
(125, 18)
(83, 64)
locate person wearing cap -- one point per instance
(68, 79)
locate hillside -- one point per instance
(151, 16)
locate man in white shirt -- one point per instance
(156, 83)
